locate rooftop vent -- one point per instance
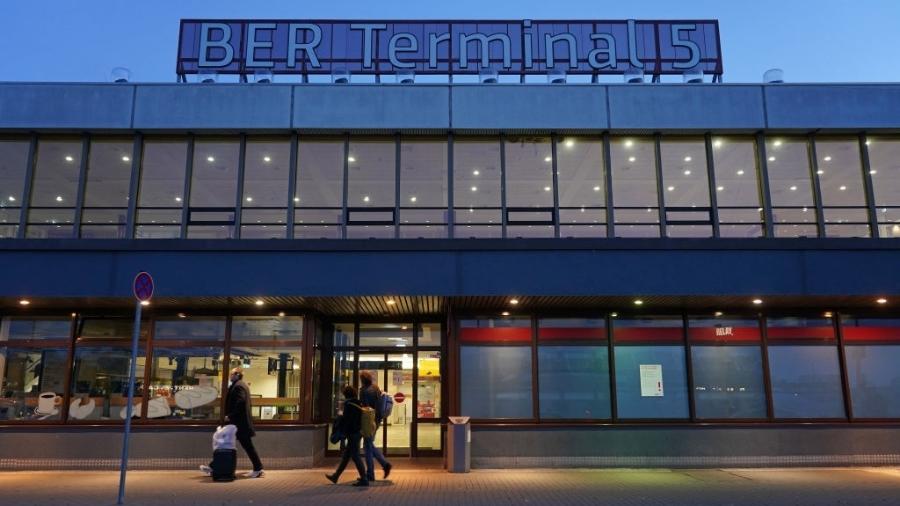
(406, 77)
(634, 75)
(262, 76)
(555, 76)
(207, 76)
(341, 76)
(120, 75)
(488, 77)
(773, 76)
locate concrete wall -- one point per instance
(442, 107)
(94, 448)
(684, 446)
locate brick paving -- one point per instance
(418, 484)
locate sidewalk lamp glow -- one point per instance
(259, 302)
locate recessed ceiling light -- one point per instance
(505, 313)
(126, 159)
(757, 301)
(820, 172)
(296, 199)
(793, 188)
(720, 188)
(740, 173)
(366, 198)
(145, 302)
(827, 314)
(177, 199)
(827, 158)
(718, 313)
(476, 172)
(24, 302)
(632, 159)
(59, 198)
(629, 143)
(671, 188)
(842, 188)
(687, 172)
(596, 188)
(873, 172)
(513, 301)
(391, 302)
(74, 315)
(687, 158)
(777, 143)
(569, 143)
(267, 159)
(546, 188)
(881, 301)
(474, 188)
(548, 159)
(182, 315)
(259, 302)
(614, 314)
(351, 159)
(413, 198)
(69, 158)
(771, 158)
(249, 199)
(12, 199)
(281, 314)
(638, 302)
(210, 159)
(717, 143)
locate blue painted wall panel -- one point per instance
(213, 106)
(833, 106)
(690, 106)
(344, 107)
(515, 107)
(65, 106)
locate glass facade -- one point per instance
(461, 187)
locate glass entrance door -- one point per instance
(393, 372)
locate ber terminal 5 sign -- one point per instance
(448, 47)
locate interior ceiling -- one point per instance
(381, 307)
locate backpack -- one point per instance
(386, 403)
(367, 422)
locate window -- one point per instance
(53, 193)
(737, 187)
(841, 183)
(213, 189)
(803, 364)
(872, 351)
(686, 185)
(106, 189)
(790, 187)
(423, 188)
(582, 187)
(726, 362)
(476, 188)
(495, 368)
(13, 163)
(33, 355)
(650, 368)
(573, 369)
(884, 168)
(430, 334)
(371, 190)
(385, 334)
(634, 189)
(161, 191)
(529, 187)
(267, 168)
(318, 197)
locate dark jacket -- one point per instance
(351, 421)
(237, 408)
(370, 397)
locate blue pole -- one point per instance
(130, 406)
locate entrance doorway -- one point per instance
(406, 362)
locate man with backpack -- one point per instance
(371, 396)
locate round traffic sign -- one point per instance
(143, 286)
(399, 397)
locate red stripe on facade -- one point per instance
(648, 334)
(572, 334)
(857, 334)
(497, 335)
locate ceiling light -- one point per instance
(126, 159)
(548, 159)
(873, 172)
(59, 198)
(182, 315)
(259, 302)
(771, 158)
(210, 159)
(614, 314)
(867, 142)
(476, 172)
(720, 188)
(827, 158)
(546, 188)
(413, 198)
(740, 172)
(12, 199)
(718, 313)
(24, 302)
(596, 188)
(513, 301)
(366, 198)
(638, 302)
(777, 143)
(820, 172)
(629, 143)
(671, 188)
(757, 301)
(391, 302)
(74, 315)
(569, 143)
(505, 313)
(793, 188)
(632, 159)
(296, 199)
(687, 172)
(69, 158)
(281, 314)
(827, 314)
(267, 159)
(687, 158)
(842, 188)
(249, 199)
(881, 301)
(177, 199)
(351, 159)
(145, 302)
(717, 143)
(474, 188)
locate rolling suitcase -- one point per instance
(223, 465)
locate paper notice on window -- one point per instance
(651, 380)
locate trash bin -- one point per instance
(459, 439)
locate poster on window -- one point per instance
(651, 380)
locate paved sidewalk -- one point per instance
(428, 486)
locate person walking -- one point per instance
(370, 395)
(351, 427)
(237, 412)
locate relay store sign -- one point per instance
(448, 47)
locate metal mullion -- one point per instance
(555, 176)
(767, 375)
(660, 194)
(186, 196)
(239, 201)
(26, 192)
(346, 177)
(817, 189)
(607, 175)
(713, 188)
(137, 153)
(292, 184)
(82, 184)
(762, 181)
(535, 384)
(70, 366)
(503, 185)
(614, 410)
(306, 368)
(414, 426)
(226, 357)
(451, 209)
(396, 186)
(837, 321)
(148, 365)
(689, 368)
(868, 184)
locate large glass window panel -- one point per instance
(476, 187)
(13, 162)
(841, 183)
(790, 187)
(385, 334)
(582, 187)
(430, 334)
(806, 381)
(495, 382)
(160, 195)
(186, 383)
(33, 356)
(100, 381)
(273, 376)
(574, 382)
(872, 351)
(343, 335)
(638, 368)
(428, 436)
(428, 403)
(686, 184)
(54, 188)
(423, 187)
(634, 190)
(106, 189)
(190, 329)
(267, 328)
(213, 189)
(529, 174)
(884, 168)
(372, 172)
(737, 187)
(265, 199)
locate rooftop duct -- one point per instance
(341, 76)
(634, 75)
(773, 76)
(120, 75)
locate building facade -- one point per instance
(649, 274)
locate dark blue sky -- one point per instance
(824, 40)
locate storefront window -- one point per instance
(803, 363)
(790, 187)
(33, 357)
(13, 162)
(429, 334)
(476, 188)
(429, 387)
(726, 362)
(841, 183)
(650, 368)
(582, 187)
(872, 350)
(267, 165)
(573, 369)
(737, 187)
(106, 189)
(385, 334)
(53, 193)
(161, 192)
(634, 188)
(495, 381)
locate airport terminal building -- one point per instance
(597, 273)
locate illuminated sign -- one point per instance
(522, 47)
